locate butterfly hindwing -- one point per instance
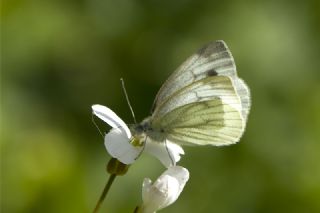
(215, 118)
(205, 123)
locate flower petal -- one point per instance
(111, 118)
(180, 173)
(165, 190)
(168, 153)
(118, 146)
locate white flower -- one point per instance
(118, 146)
(164, 191)
(117, 141)
(168, 153)
(118, 138)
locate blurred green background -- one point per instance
(60, 57)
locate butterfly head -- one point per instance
(146, 129)
(141, 128)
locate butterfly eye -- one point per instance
(139, 128)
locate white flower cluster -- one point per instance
(167, 188)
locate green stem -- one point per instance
(105, 192)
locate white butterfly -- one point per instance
(203, 102)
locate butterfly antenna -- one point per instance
(94, 123)
(125, 93)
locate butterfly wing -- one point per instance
(206, 112)
(244, 94)
(203, 101)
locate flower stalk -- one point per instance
(114, 168)
(104, 193)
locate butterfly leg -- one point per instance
(171, 158)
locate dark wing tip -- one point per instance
(212, 47)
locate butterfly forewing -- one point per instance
(211, 60)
